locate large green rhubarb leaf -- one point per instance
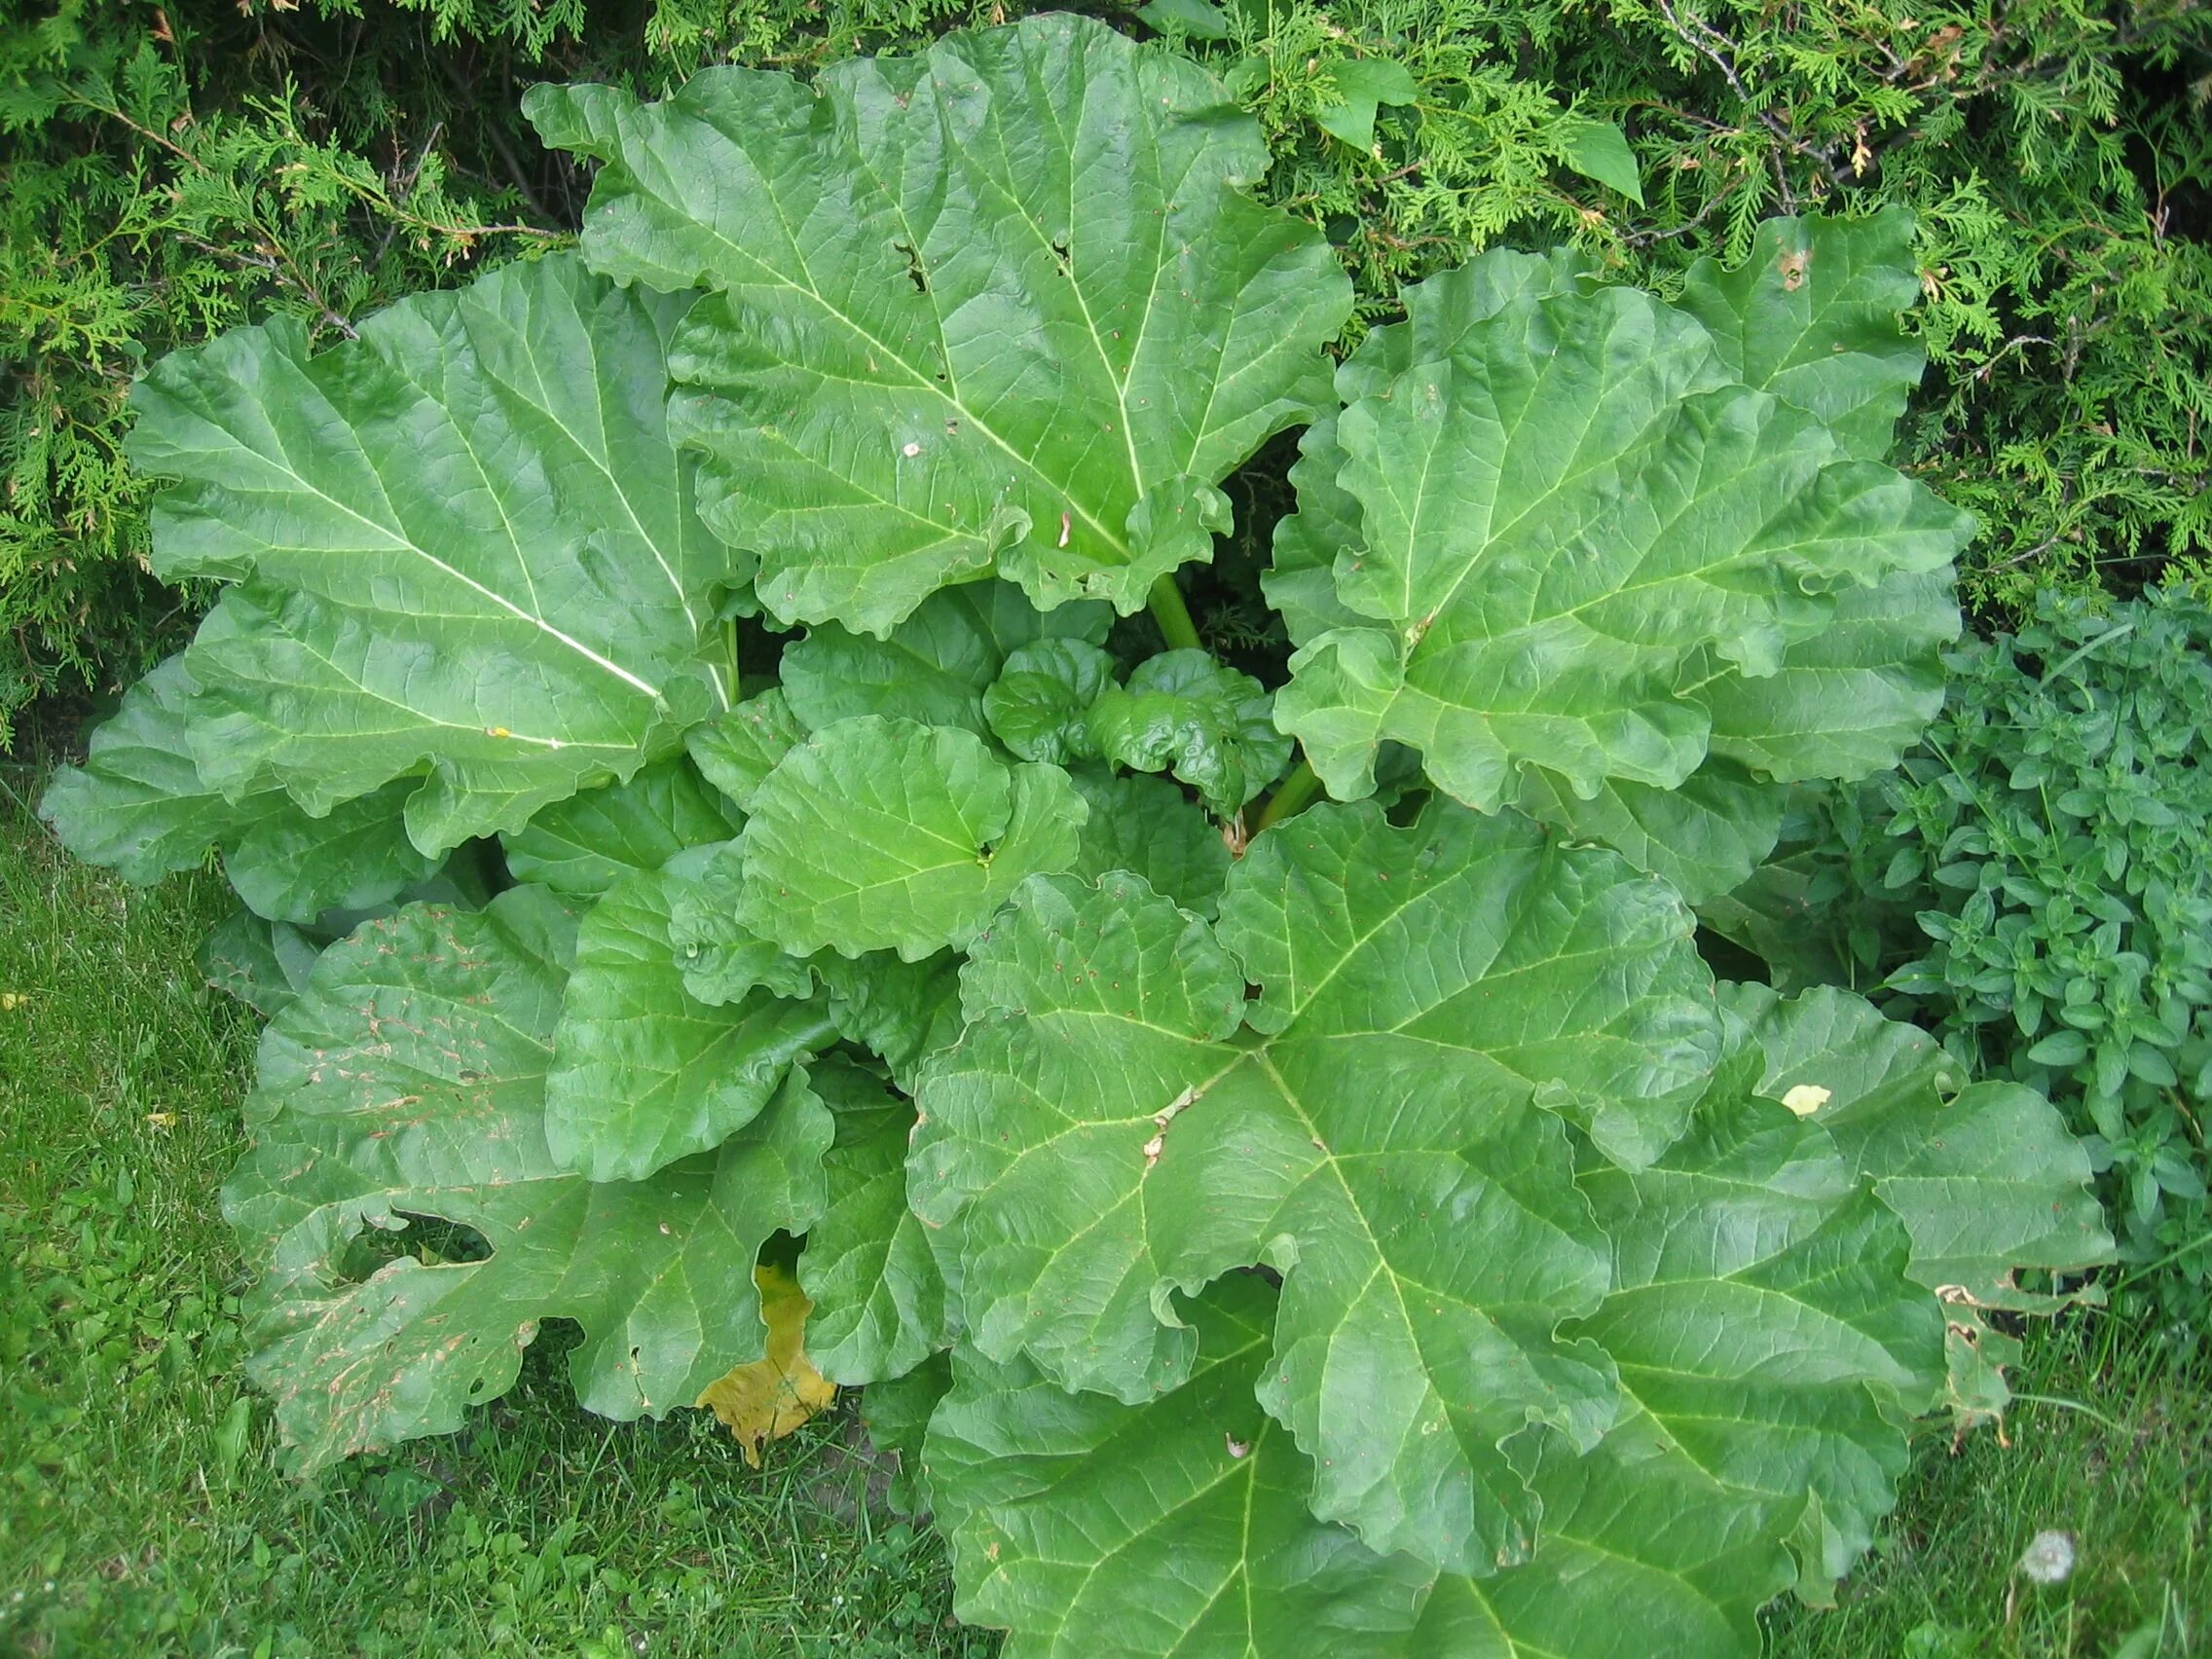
(935, 665)
(407, 1079)
(886, 835)
(463, 544)
(1769, 1341)
(1323, 536)
(1437, 1003)
(1091, 1531)
(1061, 1508)
(1811, 318)
(1006, 305)
(1568, 506)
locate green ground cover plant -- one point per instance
(714, 754)
(2031, 886)
(167, 1526)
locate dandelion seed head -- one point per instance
(2048, 1557)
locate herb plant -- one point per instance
(1263, 1224)
(2030, 885)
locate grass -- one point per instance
(2115, 1450)
(143, 1509)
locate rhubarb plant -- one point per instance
(714, 750)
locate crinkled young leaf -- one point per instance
(1087, 1529)
(721, 960)
(737, 750)
(1560, 513)
(644, 1073)
(885, 835)
(902, 1012)
(140, 806)
(1007, 305)
(584, 846)
(1987, 1180)
(879, 1296)
(466, 543)
(1102, 1136)
(1182, 712)
(937, 665)
(1147, 826)
(1814, 315)
(407, 1079)
(1040, 704)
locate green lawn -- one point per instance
(144, 1511)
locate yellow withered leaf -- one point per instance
(772, 1397)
